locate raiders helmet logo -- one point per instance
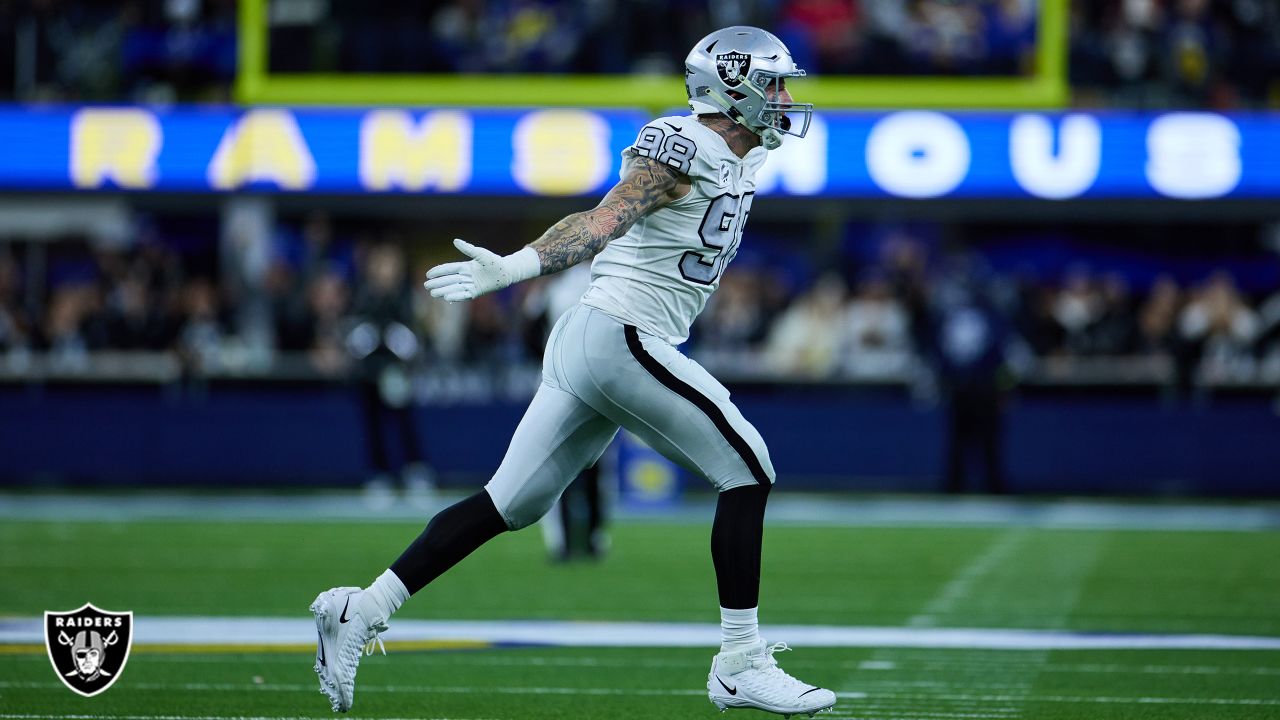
(733, 67)
(88, 647)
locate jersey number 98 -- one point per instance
(721, 232)
(674, 150)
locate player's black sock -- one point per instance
(450, 536)
(736, 536)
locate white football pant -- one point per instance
(599, 374)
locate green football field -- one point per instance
(1133, 588)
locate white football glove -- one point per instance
(484, 273)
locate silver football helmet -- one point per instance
(731, 71)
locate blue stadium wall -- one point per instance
(819, 438)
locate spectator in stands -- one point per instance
(383, 341)
(1190, 57)
(1010, 34)
(946, 38)
(1129, 35)
(1250, 41)
(970, 338)
(304, 258)
(1077, 309)
(69, 326)
(202, 334)
(807, 338)
(828, 28)
(328, 300)
(1158, 319)
(877, 329)
(1218, 323)
(290, 316)
(178, 50)
(487, 343)
(1115, 332)
(736, 318)
(136, 317)
(906, 263)
(889, 26)
(1033, 318)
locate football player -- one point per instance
(661, 239)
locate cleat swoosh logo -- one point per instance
(344, 619)
(806, 692)
(730, 690)
(320, 655)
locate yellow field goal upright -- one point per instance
(1046, 87)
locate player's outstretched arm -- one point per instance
(646, 186)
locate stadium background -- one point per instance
(192, 272)
(1054, 221)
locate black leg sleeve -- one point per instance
(595, 510)
(451, 535)
(736, 537)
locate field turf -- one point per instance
(1096, 581)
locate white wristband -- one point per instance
(523, 265)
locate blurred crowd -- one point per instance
(351, 306)
(1176, 53)
(145, 51)
(621, 36)
(1146, 53)
(911, 311)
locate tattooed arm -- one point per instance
(646, 186)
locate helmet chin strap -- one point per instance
(771, 139)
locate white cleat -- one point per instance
(752, 679)
(344, 634)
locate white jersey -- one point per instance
(659, 275)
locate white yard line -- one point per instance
(897, 711)
(598, 691)
(392, 689)
(220, 634)
(526, 659)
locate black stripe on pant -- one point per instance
(702, 402)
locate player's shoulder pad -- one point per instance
(672, 140)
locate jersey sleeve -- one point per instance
(672, 142)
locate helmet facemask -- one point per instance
(775, 118)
